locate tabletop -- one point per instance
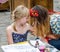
(27, 46)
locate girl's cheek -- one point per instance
(34, 30)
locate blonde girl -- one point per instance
(18, 30)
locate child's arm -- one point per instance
(53, 36)
(9, 35)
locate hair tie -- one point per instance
(34, 13)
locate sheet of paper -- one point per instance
(19, 48)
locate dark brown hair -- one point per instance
(42, 20)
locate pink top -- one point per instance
(3, 1)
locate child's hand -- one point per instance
(44, 39)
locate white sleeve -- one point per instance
(31, 37)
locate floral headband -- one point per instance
(34, 13)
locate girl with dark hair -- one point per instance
(43, 25)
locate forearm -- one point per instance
(53, 36)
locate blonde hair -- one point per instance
(19, 12)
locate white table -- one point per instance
(26, 47)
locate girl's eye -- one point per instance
(26, 18)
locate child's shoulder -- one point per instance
(9, 28)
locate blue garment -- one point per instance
(55, 43)
(55, 24)
(55, 27)
(19, 37)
